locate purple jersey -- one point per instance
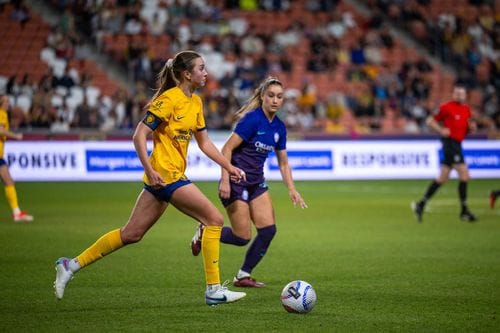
(260, 137)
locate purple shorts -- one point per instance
(244, 192)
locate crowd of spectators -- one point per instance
(381, 96)
(464, 34)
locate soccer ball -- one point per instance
(298, 297)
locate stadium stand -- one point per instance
(347, 72)
(464, 34)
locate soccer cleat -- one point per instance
(63, 276)
(247, 282)
(467, 216)
(22, 217)
(418, 209)
(493, 198)
(196, 241)
(222, 295)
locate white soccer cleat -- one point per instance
(222, 295)
(22, 217)
(63, 276)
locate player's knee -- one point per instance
(130, 236)
(464, 177)
(267, 232)
(215, 219)
(441, 180)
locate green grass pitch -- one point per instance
(374, 268)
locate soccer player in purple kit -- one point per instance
(258, 132)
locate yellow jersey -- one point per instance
(177, 117)
(4, 123)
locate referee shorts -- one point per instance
(452, 152)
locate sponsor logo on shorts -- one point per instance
(244, 195)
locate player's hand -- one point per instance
(236, 174)
(224, 189)
(297, 199)
(155, 179)
(445, 132)
(18, 136)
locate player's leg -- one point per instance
(463, 175)
(191, 201)
(11, 195)
(238, 210)
(418, 207)
(262, 214)
(493, 198)
(146, 212)
(240, 232)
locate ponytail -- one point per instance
(170, 74)
(165, 79)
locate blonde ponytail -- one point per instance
(170, 74)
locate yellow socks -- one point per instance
(210, 246)
(11, 194)
(103, 246)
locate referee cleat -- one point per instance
(493, 198)
(63, 276)
(418, 209)
(247, 282)
(196, 241)
(467, 216)
(22, 217)
(222, 295)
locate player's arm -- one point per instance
(286, 175)
(9, 134)
(434, 125)
(227, 150)
(140, 138)
(208, 148)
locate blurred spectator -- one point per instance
(59, 126)
(156, 19)
(110, 123)
(86, 116)
(20, 12)
(40, 117)
(374, 78)
(65, 80)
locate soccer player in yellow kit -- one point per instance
(10, 189)
(175, 115)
